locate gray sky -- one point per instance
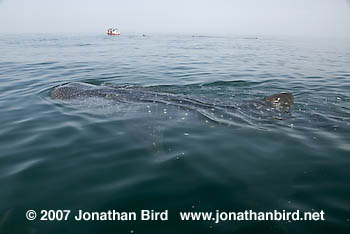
(240, 17)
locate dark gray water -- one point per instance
(97, 154)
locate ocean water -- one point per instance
(96, 154)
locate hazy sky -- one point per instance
(253, 17)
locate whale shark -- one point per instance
(279, 102)
(137, 94)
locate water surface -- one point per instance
(96, 154)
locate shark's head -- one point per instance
(71, 90)
(63, 92)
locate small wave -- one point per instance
(235, 83)
(86, 44)
(20, 167)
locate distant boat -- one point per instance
(113, 32)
